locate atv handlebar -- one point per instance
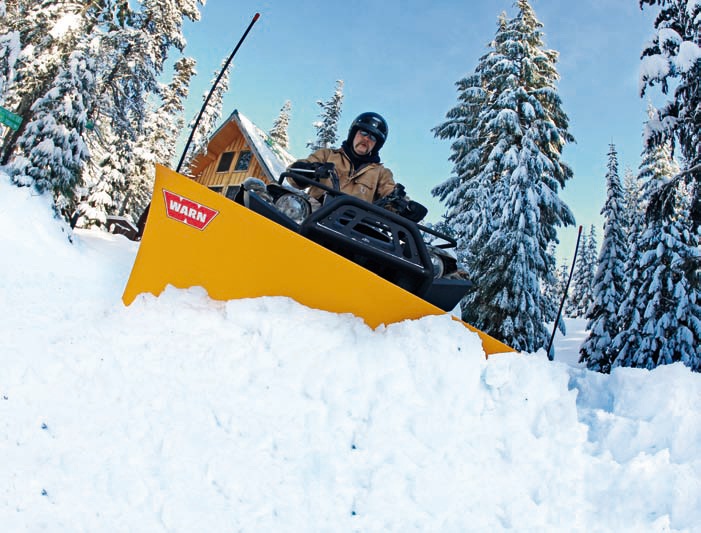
(304, 180)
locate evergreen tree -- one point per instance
(53, 140)
(562, 274)
(668, 307)
(553, 290)
(631, 202)
(9, 52)
(168, 120)
(549, 289)
(41, 30)
(583, 275)
(656, 171)
(467, 192)
(327, 127)
(136, 51)
(98, 202)
(603, 326)
(672, 59)
(211, 115)
(591, 253)
(510, 130)
(581, 287)
(282, 122)
(125, 51)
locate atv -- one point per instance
(376, 236)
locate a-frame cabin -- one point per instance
(237, 150)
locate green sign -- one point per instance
(10, 119)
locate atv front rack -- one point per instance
(381, 241)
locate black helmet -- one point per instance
(372, 123)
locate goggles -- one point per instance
(368, 135)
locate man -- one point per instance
(357, 162)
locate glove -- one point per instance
(414, 211)
(305, 166)
(398, 202)
(315, 171)
(324, 171)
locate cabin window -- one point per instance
(216, 188)
(244, 161)
(225, 161)
(231, 191)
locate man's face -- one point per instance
(363, 142)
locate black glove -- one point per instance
(315, 171)
(398, 202)
(305, 167)
(324, 171)
(414, 211)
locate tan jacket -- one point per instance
(370, 183)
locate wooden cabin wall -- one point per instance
(211, 178)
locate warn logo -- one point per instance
(188, 212)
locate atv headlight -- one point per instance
(294, 206)
(254, 184)
(437, 263)
(257, 186)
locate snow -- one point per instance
(654, 67)
(180, 413)
(689, 55)
(657, 66)
(65, 24)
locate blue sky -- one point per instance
(402, 58)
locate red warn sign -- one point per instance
(188, 212)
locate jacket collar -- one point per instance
(357, 160)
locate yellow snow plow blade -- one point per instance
(196, 237)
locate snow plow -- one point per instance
(347, 256)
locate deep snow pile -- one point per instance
(184, 414)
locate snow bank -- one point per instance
(179, 413)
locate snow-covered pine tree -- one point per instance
(128, 49)
(47, 31)
(609, 281)
(510, 131)
(657, 168)
(591, 253)
(97, 202)
(134, 50)
(656, 171)
(552, 295)
(668, 306)
(467, 192)
(279, 131)
(673, 59)
(631, 202)
(327, 127)
(145, 135)
(580, 291)
(562, 274)
(211, 115)
(53, 144)
(168, 121)
(585, 269)
(9, 52)
(135, 53)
